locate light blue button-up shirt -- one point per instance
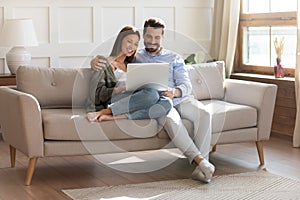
(178, 75)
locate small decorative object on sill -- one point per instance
(278, 67)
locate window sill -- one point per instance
(261, 77)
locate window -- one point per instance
(261, 21)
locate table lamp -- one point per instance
(18, 34)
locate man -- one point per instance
(196, 149)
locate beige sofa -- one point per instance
(44, 114)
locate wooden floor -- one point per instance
(57, 173)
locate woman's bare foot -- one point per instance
(92, 116)
(105, 118)
(105, 111)
(111, 117)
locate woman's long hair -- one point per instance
(127, 30)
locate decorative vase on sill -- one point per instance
(278, 67)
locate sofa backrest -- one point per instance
(55, 87)
(69, 87)
(207, 80)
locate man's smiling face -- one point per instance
(152, 39)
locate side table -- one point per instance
(7, 79)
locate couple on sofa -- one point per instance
(106, 85)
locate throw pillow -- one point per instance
(207, 80)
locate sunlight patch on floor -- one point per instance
(131, 159)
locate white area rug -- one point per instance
(250, 185)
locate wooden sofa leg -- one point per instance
(259, 146)
(13, 152)
(30, 170)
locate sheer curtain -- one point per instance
(296, 138)
(225, 30)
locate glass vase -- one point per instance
(278, 69)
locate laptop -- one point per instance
(154, 75)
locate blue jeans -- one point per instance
(146, 103)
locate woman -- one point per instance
(109, 100)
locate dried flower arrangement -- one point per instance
(279, 45)
(278, 68)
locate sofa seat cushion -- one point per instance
(229, 116)
(71, 124)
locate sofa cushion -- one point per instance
(229, 116)
(207, 80)
(188, 125)
(71, 124)
(53, 87)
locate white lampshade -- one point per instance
(18, 33)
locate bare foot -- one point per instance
(105, 111)
(111, 117)
(106, 118)
(92, 116)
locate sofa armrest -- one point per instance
(262, 96)
(21, 121)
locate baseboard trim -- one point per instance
(282, 136)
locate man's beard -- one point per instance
(151, 50)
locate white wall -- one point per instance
(70, 32)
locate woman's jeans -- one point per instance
(146, 103)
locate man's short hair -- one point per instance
(154, 22)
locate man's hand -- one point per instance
(172, 93)
(98, 62)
